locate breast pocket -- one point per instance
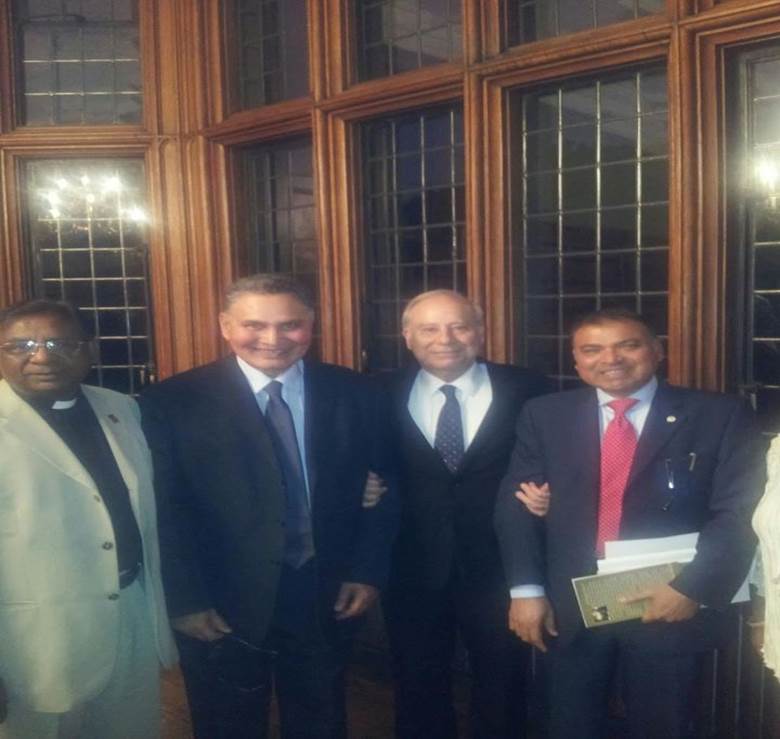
(9, 516)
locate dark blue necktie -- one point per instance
(449, 430)
(299, 544)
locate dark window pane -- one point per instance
(579, 146)
(618, 228)
(542, 233)
(618, 140)
(396, 36)
(541, 276)
(413, 206)
(655, 270)
(532, 20)
(579, 189)
(86, 222)
(579, 231)
(95, 52)
(579, 275)
(270, 60)
(618, 184)
(618, 273)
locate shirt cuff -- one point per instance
(527, 591)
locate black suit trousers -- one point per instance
(423, 625)
(637, 663)
(296, 661)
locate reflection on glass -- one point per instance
(414, 218)
(87, 221)
(268, 43)
(593, 219)
(400, 35)
(78, 62)
(532, 20)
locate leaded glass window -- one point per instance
(280, 209)
(268, 50)
(533, 20)
(78, 62)
(86, 224)
(400, 35)
(592, 218)
(414, 219)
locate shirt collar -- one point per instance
(645, 394)
(292, 377)
(468, 383)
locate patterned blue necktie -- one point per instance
(449, 430)
(299, 543)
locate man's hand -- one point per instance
(530, 619)
(354, 598)
(664, 603)
(374, 490)
(535, 497)
(3, 702)
(204, 625)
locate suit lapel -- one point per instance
(317, 410)
(666, 416)
(581, 450)
(119, 438)
(29, 428)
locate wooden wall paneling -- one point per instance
(475, 16)
(491, 22)
(332, 46)
(12, 270)
(683, 212)
(489, 236)
(183, 260)
(7, 102)
(337, 206)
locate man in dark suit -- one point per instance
(454, 426)
(269, 555)
(628, 457)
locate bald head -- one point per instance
(445, 332)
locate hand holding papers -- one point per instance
(631, 567)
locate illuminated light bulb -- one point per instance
(136, 214)
(61, 182)
(54, 213)
(84, 180)
(767, 175)
(112, 184)
(90, 198)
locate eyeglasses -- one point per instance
(66, 348)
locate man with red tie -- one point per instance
(628, 457)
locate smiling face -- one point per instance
(445, 335)
(619, 357)
(269, 332)
(44, 374)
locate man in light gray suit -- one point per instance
(83, 624)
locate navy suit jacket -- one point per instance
(446, 518)
(220, 491)
(714, 492)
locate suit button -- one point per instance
(107, 545)
(113, 596)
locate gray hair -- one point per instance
(479, 314)
(265, 283)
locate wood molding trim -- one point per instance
(704, 206)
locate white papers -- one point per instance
(630, 554)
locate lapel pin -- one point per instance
(114, 419)
(671, 419)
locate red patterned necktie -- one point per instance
(617, 453)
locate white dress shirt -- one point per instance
(292, 381)
(636, 415)
(473, 390)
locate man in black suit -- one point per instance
(454, 426)
(269, 556)
(628, 457)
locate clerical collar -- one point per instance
(54, 405)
